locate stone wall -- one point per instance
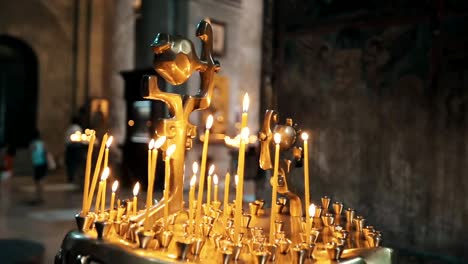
(386, 107)
(46, 26)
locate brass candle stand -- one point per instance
(119, 236)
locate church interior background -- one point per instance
(382, 88)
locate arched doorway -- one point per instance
(18, 91)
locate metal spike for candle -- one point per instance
(253, 208)
(226, 255)
(144, 238)
(102, 228)
(298, 254)
(236, 251)
(328, 219)
(318, 211)
(334, 251)
(309, 249)
(183, 247)
(166, 238)
(197, 245)
(261, 257)
(279, 226)
(368, 229)
(325, 203)
(370, 238)
(283, 244)
(120, 212)
(272, 248)
(359, 223)
(337, 208)
(246, 220)
(84, 222)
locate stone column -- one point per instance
(122, 55)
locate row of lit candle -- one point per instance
(153, 147)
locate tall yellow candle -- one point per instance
(170, 150)
(89, 159)
(191, 199)
(277, 139)
(245, 109)
(226, 195)
(98, 198)
(154, 157)
(201, 187)
(136, 188)
(115, 185)
(215, 183)
(104, 188)
(150, 170)
(106, 154)
(97, 170)
(240, 186)
(208, 193)
(305, 137)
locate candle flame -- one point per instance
(75, 137)
(105, 174)
(136, 188)
(245, 134)
(215, 179)
(211, 170)
(109, 141)
(159, 142)
(151, 144)
(209, 122)
(311, 210)
(245, 103)
(236, 179)
(170, 150)
(193, 180)
(84, 137)
(277, 138)
(304, 136)
(115, 185)
(195, 167)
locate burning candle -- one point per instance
(226, 194)
(104, 176)
(154, 157)
(310, 220)
(97, 170)
(245, 109)
(215, 183)
(209, 123)
(192, 195)
(277, 139)
(106, 154)
(240, 186)
(150, 170)
(170, 150)
(305, 137)
(136, 188)
(104, 189)
(115, 185)
(89, 158)
(208, 193)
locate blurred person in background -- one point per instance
(6, 166)
(39, 161)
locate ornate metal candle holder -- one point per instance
(118, 236)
